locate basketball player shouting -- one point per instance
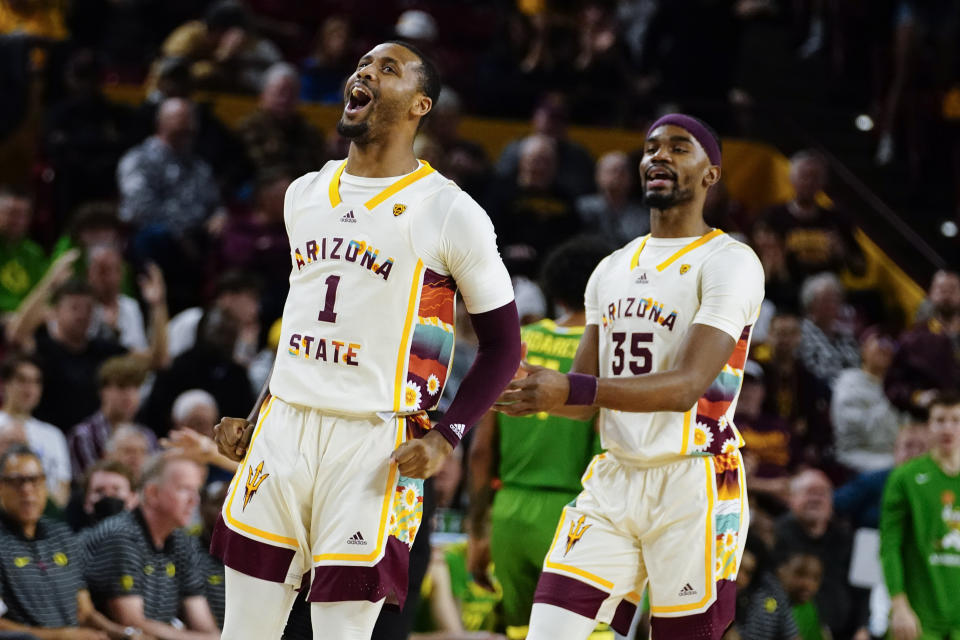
(329, 492)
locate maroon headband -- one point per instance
(696, 129)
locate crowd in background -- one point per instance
(144, 263)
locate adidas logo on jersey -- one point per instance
(348, 217)
(643, 278)
(356, 538)
(687, 591)
(457, 428)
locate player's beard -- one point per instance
(662, 201)
(356, 132)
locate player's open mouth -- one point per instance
(659, 177)
(358, 99)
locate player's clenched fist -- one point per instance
(232, 436)
(422, 457)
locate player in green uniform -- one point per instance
(535, 462)
(920, 534)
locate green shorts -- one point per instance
(524, 522)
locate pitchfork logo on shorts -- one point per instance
(254, 479)
(577, 529)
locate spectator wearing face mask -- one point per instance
(108, 489)
(141, 566)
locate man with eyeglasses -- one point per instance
(42, 591)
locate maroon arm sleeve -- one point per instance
(498, 356)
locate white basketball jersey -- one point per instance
(644, 297)
(368, 325)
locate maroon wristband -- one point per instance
(583, 389)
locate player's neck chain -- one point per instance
(370, 204)
(699, 242)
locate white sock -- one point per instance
(256, 609)
(349, 620)
(549, 622)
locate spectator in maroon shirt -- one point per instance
(120, 379)
(928, 359)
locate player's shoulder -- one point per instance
(731, 243)
(728, 248)
(446, 196)
(443, 201)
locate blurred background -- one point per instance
(146, 145)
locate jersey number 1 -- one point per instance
(327, 314)
(643, 361)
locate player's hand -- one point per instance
(478, 560)
(541, 389)
(232, 436)
(904, 624)
(422, 457)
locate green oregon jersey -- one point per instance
(920, 541)
(541, 450)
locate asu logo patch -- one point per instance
(684, 268)
(577, 529)
(398, 209)
(254, 479)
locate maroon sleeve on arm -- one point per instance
(498, 355)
